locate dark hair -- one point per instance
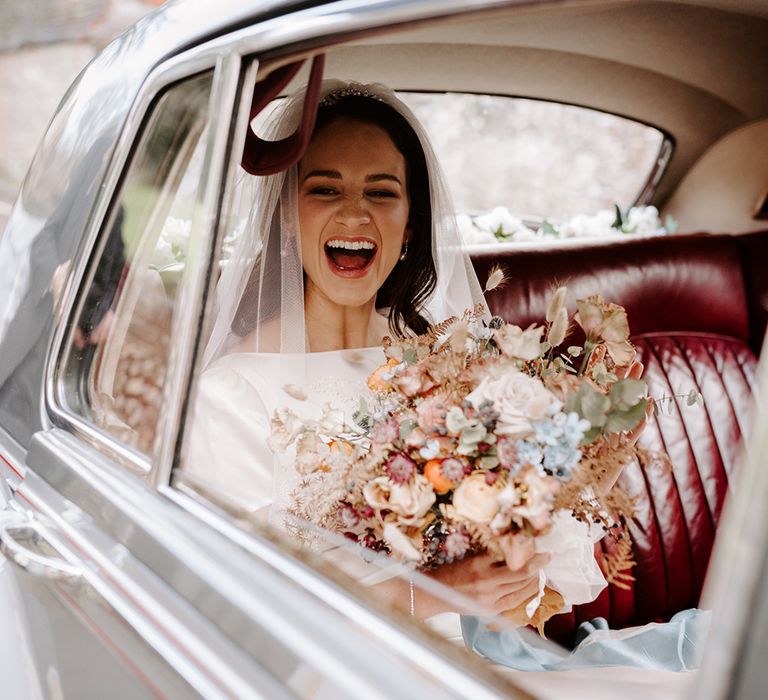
(412, 280)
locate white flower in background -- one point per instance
(176, 232)
(644, 220)
(525, 234)
(163, 257)
(171, 249)
(470, 234)
(499, 225)
(500, 221)
(583, 226)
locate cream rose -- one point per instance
(516, 342)
(536, 504)
(476, 500)
(411, 501)
(518, 398)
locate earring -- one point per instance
(404, 252)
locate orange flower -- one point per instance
(435, 476)
(375, 381)
(338, 445)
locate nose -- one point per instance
(352, 213)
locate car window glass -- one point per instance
(538, 159)
(121, 339)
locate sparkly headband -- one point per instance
(352, 90)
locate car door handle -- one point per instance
(41, 565)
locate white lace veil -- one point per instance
(261, 288)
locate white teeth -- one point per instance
(350, 245)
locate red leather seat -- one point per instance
(697, 307)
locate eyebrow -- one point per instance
(336, 175)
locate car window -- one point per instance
(537, 159)
(122, 336)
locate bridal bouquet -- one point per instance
(476, 431)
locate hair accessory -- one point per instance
(351, 90)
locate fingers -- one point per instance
(635, 370)
(498, 574)
(517, 549)
(634, 435)
(515, 598)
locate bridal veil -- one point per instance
(261, 288)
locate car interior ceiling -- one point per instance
(693, 70)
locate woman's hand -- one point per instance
(495, 586)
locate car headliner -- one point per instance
(694, 70)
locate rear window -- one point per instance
(539, 160)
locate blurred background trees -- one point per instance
(44, 44)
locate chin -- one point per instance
(350, 297)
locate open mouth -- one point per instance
(350, 258)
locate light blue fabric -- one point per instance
(676, 645)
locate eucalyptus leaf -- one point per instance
(410, 356)
(626, 393)
(618, 220)
(406, 428)
(575, 350)
(620, 421)
(591, 435)
(548, 229)
(594, 406)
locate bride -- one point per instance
(354, 242)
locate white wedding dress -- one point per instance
(238, 394)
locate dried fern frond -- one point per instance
(618, 561)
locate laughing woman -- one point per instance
(354, 243)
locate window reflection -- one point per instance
(121, 341)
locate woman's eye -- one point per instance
(381, 193)
(323, 191)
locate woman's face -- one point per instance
(353, 211)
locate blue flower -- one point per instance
(528, 453)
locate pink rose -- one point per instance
(413, 381)
(475, 499)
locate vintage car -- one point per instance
(124, 575)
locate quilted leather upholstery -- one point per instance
(697, 308)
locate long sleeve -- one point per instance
(227, 449)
